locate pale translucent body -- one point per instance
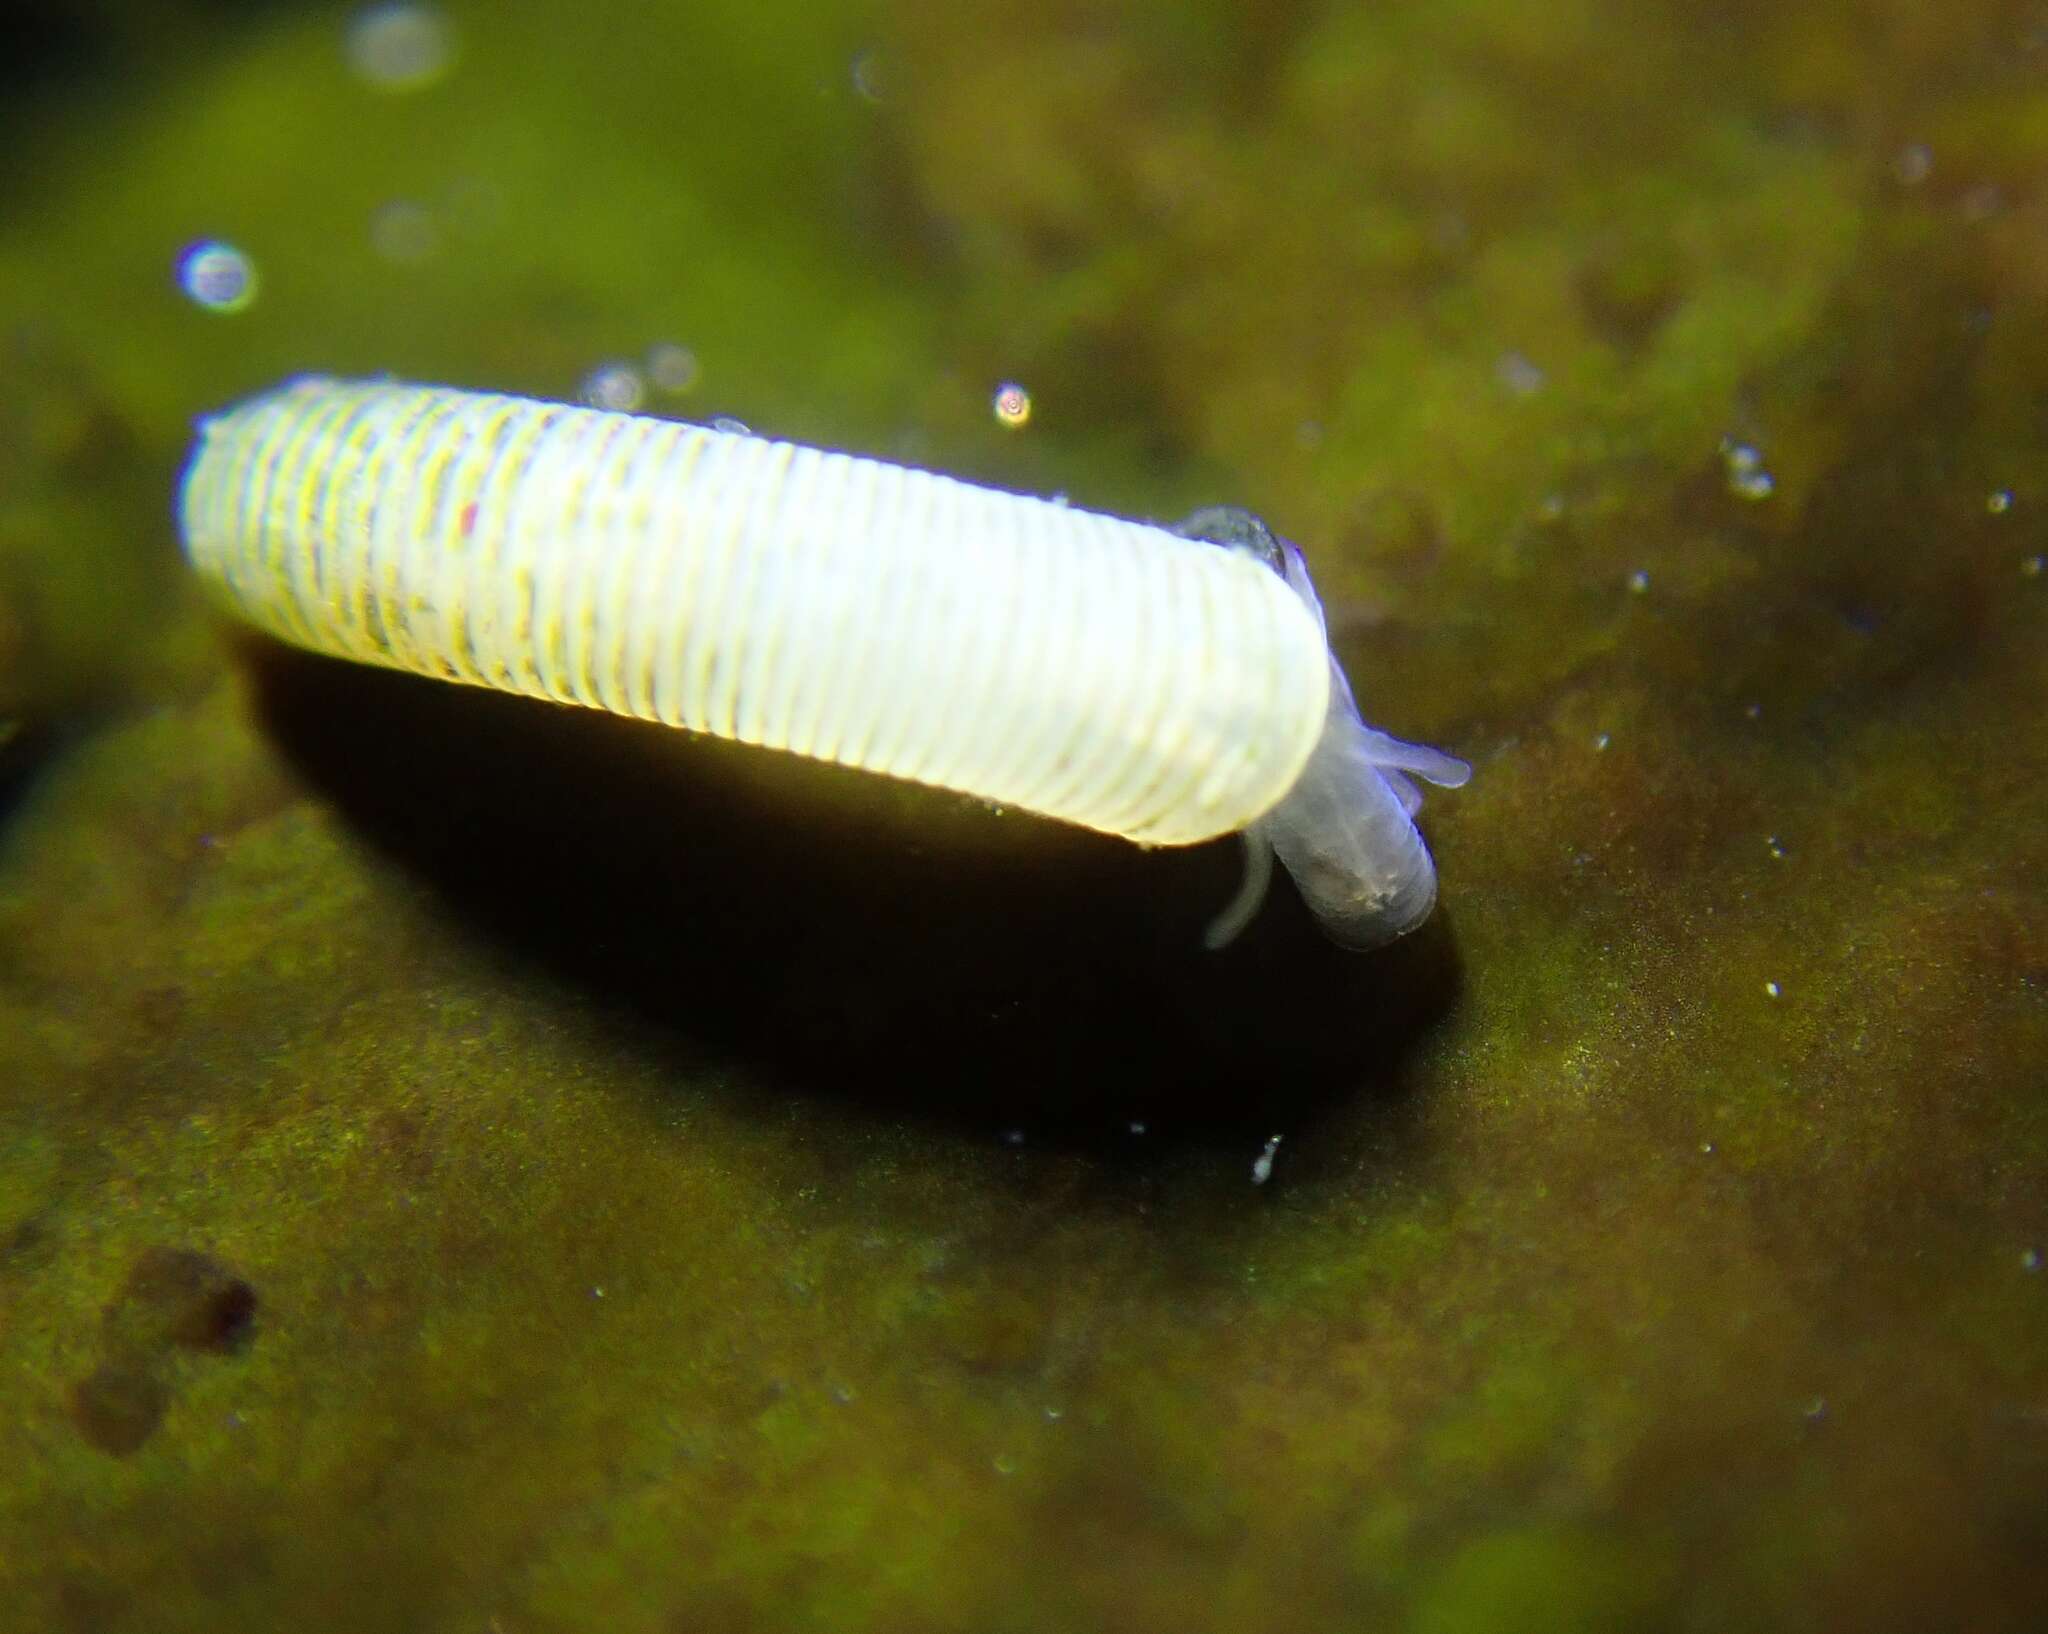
(1100, 671)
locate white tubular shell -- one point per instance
(1087, 668)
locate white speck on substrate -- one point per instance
(1773, 990)
(1262, 1165)
(1054, 1414)
(1706, 1148)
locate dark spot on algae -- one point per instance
(178, 1296)
(118, 1406)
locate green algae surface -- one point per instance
(466, 1165)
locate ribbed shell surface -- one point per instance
(1088, 668)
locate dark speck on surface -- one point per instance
(118, 1406)
(181, 1297)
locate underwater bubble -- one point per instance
(2030, 1260)
(1773, 991)
(404, 232)
(736, 428)
(2032, 565)
(1747, 478)
(1517, 375)
(217, 276)
(615, 386)
(1983, 201)
(1639, 581)
(399, 46)
(1913, 164)
(672, 368)
(1999, 502)
(1774, 845)
(870, 77)
(1012, 404)
(1262, 1165)
(1601, 740)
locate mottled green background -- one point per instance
(466, 1165)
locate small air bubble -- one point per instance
(1913, 164)
(1706, 1148)
(1013, 1137)
(217, 276)
(404, 232)
(870, 77)
(1137, 1128)
(1747, 478)
(672, 368)
(1517, 376)
(615, 386)
(400, 46)
(2030, 1260)
(1999, 501)
(1012, 404)
(1639, 581)
(1003, 1464)
(1262, 1165)
(1774, 845)
(1601, 740)
(1773, 991)
(2031, 566)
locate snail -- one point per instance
(1129, 678)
